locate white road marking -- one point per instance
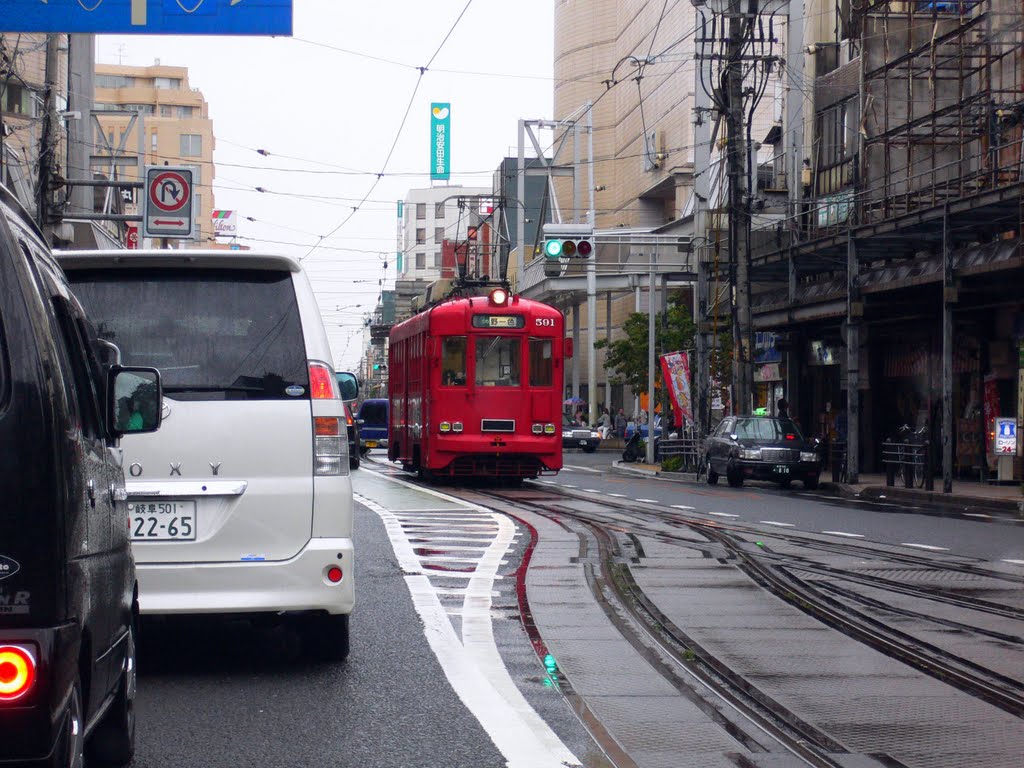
(683, 506)
(618, 495)
(591, 490)
(1014, 562)
(575, 468)
(776, 522)
(722, 514)
(547, 482)
(649, 501)
(473, 666)
(570, 486)
(844, 533)
(978, 514)
(929, 547)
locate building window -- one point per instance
(18, 100)
(185, 112)
(191, 145)
(421, 236)
(167, 83)
(165, 111)
(421, 210)
(114, 81)
(439, 210)
(152, 142)
(437, 261)
(421, 261)
(438, 235)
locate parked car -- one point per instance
(373, 427)
(762, 448)
(67, 579)
(242, 504)
(575, 436)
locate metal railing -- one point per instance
(689, 448)
(910, 461)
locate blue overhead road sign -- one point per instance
(152, 17)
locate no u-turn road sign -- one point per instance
(168, 202)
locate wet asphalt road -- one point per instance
(765, 504)
(216, 694)
(222, 694)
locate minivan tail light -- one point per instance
(17, 672)
(322, 384)
(330, 449)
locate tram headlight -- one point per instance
(445, 426)
(549, 429)
(538, 429)
(457, 426)
(498, 297)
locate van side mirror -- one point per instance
(134, 400)
(348, 385)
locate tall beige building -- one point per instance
(642, 130)
(172, 126)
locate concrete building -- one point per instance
(896, 274)
(431, 216)
(152, 116)
(23, 78)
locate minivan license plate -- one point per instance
(162, 520)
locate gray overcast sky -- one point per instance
(329, 110)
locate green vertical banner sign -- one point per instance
(440, 140)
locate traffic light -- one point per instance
(568, 241)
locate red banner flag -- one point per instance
(675, 368)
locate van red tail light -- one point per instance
(334, 574)
(322, 384)
(17, 672)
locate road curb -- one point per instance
(942, 504)
(957, 504)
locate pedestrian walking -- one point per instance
(783, 408)
(620, 424)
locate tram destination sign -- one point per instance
(150, 17)
(499, 321)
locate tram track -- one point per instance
(692, 670)
(776, 573)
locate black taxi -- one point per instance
(762, 448)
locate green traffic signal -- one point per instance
(553, 248)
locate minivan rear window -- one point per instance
(374, 413)
(214, 334)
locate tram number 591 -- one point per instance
(545, 322)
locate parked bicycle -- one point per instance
(913, 454)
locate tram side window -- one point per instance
(453, 361)
(497, 361)
(541, 363)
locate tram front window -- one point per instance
(541, 363)
(497, 361)
(453, 361)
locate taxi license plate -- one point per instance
(162, 520)
(781, 469)
(371, 443)
(583, 442)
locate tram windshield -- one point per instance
(542, 371)
(497, 361)
(453, 361)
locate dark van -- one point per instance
(373, 427)
(67, 579)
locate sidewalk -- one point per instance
(978, 498)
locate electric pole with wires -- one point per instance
(734, 53)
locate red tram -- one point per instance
(475, 386)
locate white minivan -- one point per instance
(242, 502)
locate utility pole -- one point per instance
(734, 42)
(739, 217)
(48, 139)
